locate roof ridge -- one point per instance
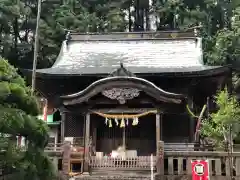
(150, 35)
(132, 32)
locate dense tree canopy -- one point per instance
(18, 111)
(218, 21)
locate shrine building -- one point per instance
(130, 91)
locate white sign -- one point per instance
(199, 169)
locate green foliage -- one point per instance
(223, 48)
(219, 21)
(223, 125)
(226, 49)
(13, 91)
(18, 110)
(18, 26)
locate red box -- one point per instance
(200, 170)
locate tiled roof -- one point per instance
(137, 70)
(138, 56)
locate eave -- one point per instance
(120, 82)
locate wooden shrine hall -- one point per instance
(120, 94)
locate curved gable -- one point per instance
(122, 82)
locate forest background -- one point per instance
(218, 22)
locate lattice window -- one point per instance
(74, 125)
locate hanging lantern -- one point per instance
(106, 120)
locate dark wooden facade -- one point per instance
(79, 95)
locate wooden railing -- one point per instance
(178, 164)
(136, 163)
(168, 147)
(179, 146)
(77, 143)
(54, 147)
(59, 147)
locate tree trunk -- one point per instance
(129, 18)
(147, 18)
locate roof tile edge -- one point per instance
(167, 35)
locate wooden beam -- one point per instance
(124, 110)
(107, 101)
(191, 121)
(161, 126)
(167, 108)
(63, 120)
(86, 149)
(101, 99)
(157, 131)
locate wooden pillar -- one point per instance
(161, 126)
(63, 120)
(159, 146)
(124, 138)
(157, 132)
(94, 139)
(160, 158)
(192, 121)
(66, 157)
(191, 129)
(86, 144)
